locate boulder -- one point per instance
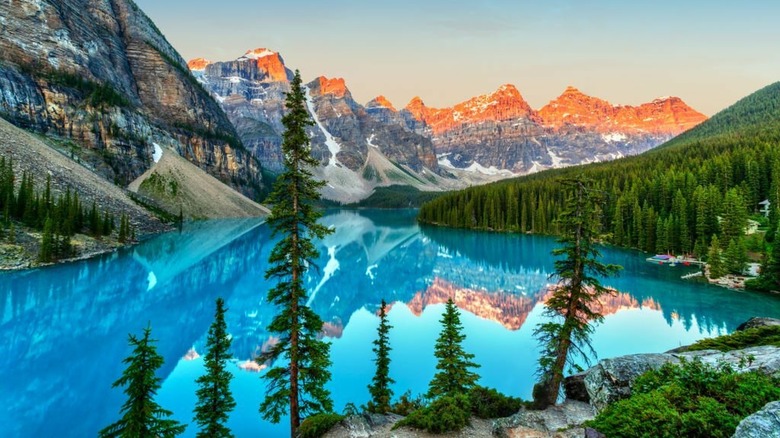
(363, 426)
(560, 421)
(612, 379)
(758, 322)
(763, 424)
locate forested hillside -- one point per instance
(672, 199)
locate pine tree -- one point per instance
(715, 260)
(123, 229)
(381, 393)
(214, 398)
(296, 382)
(142, 417)
(574, 302)
(46, 251)
(453, 376)
(735, 257)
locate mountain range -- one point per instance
(484, 138)
(104, 87)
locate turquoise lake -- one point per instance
(63, 329)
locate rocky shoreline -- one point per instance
(587, 393)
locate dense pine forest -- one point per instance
(58, 217)
(706, 182)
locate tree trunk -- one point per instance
(295, 419)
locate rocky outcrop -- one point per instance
(763, 424)
(560, 421)
(100, 74)
(612, 379)
(664, 116)
(758, 322)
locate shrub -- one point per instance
(406, 404)
(489, 403)
(318, 425)
(768, 335)
(692, 399)
(448, 413)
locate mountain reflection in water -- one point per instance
(63, 329)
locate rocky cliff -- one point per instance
(99, 75)
(357, 151)
(484, 138)
(500, 131)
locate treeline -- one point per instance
(59, 218)
(453, 395)
(674, 199)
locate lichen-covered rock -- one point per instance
(560, 421)
(758, 322)
(612, 379)
(100, 74)
(763, 424)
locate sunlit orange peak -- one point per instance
(334, 86)
(198, 64)
(382, 101)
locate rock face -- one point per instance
(500, 130)
(100, 74)
(485, 138)
(758, 322)
(763, 424)
(665, 116)
(560, 421)
(611, 379)
(359, 147)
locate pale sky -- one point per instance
(709, 53)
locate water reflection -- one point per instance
(63, 329)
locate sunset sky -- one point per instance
(710, 53)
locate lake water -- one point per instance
(63, 332)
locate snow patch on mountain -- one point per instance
(330, 142)
(614, 137)
(257, 55)
(158, 153)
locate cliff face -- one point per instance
(500, 131)
(100, 74)
(357, 150)
(488, 137)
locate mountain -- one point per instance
(103, 80)
(672, 199)
(483, 139)
(181, 187)
(501, 132)
(357, 152)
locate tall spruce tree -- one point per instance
(381, 393)
(715, 259)
(573, 305)
(454, 376)
(300, 360)
(214, 398)
(142, 417)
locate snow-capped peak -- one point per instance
(257, 54)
